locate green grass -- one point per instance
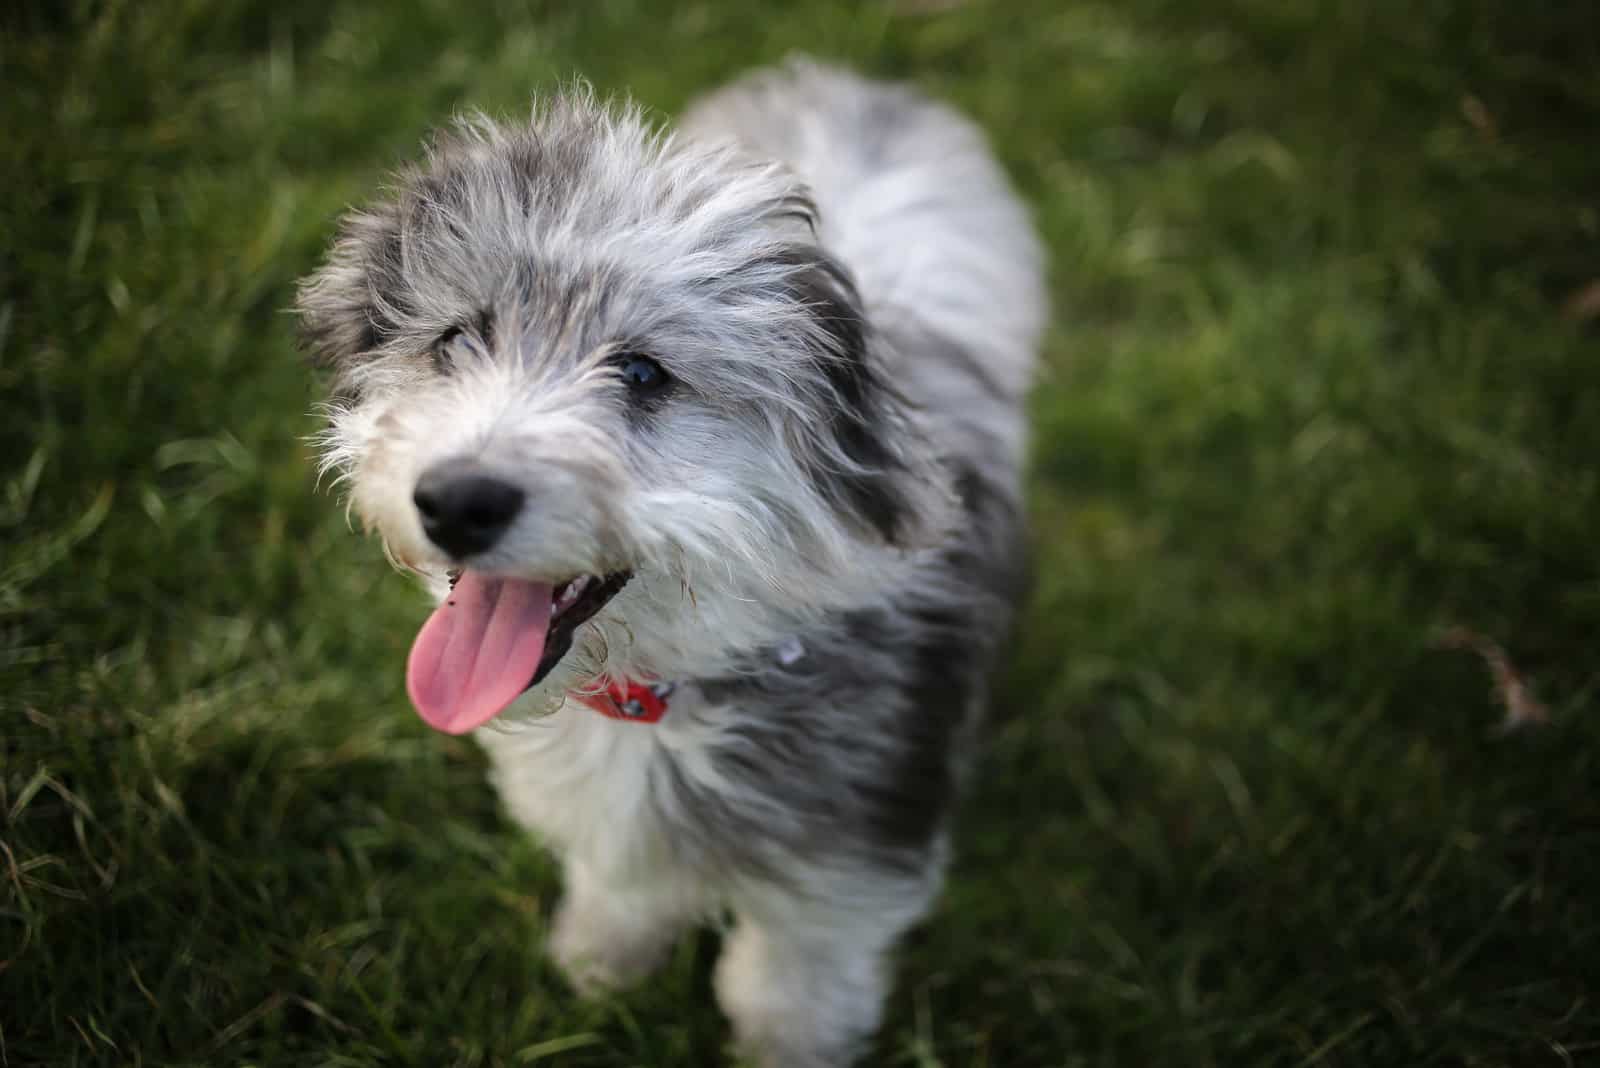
(1310, 398)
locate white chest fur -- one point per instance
(600, 790)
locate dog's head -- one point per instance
(611, 381)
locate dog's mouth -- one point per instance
(492, 638)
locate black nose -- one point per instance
(464, 508)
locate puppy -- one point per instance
(709, 445)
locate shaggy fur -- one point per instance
(821, 513)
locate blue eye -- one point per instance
(644, 376)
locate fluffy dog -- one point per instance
(715, 438)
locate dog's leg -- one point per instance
(608, 936)
(804, 980)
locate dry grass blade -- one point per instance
(1523, 709)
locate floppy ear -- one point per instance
(350, 305)
(869, 459)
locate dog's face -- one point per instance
(613, 384)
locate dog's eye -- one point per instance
(644, 376)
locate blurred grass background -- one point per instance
(1324, 382)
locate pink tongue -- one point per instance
(478, 651)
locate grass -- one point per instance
(1319, 389)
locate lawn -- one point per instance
(1319, 422)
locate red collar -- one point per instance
(636, 702)
(646, 702)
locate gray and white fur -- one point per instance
(821, 513)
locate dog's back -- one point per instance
(912, 202)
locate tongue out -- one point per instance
(478, 651)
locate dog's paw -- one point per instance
(600, 955)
